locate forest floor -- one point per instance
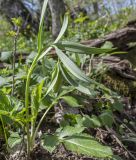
(107, 136)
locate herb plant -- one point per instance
(73, 137)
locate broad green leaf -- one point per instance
(107, 45)
(87, 121)
(82, 49)
(71, 66)
(5, 56)
(7, 117)
(69, 131)
(14, 139)
(107, 118)
(118, 106)
(5, 102)
(3, 81)
(18, 105)
(4, 113)
(36, 97)
(92, 122)
(4, 99)
(63, 29)
(71, 101)
(50, 142)
(84, 144)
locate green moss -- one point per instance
(121, 85)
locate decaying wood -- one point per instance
(120, 38)
(122, 68)
(122, 65)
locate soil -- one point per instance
(104, 135)
(40, 154)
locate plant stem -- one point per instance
(5, 134)
(41, 120)
(14, 60)
(27, 90)
(27, 104)
(13, 65)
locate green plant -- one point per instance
(65, 68)
(17, 24)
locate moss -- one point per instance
(123, 86)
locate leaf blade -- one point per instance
(82, 49)
(63, 29)
(84, 144)
(71, 66)
(50, 142)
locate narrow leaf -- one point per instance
(44, 53)
(63, 29)
(43, 11)
(41, 25)
(71, 66)
(82, 49)
(77, 85)
(54, 80)
(71, 101)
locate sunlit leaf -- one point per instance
(82, 49)
(70, 130)
(71, 101)
(84, 144)
(41, 25)
(80, 87)
(5, 102)
(71, 66)
(90, 122)
(63, 29)
(5, 56)
(14, 139)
